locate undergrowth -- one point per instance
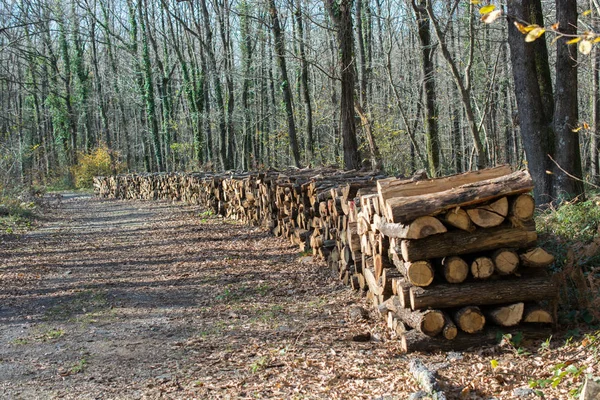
(571, 232)
(18, 209)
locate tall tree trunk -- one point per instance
(218, 88)
(305, 89)
(341, 14)
(595, 132)
(285, 83)
(463, 82)
(68, 96)
(538, 138)
(361, 55)
(568, 173)
(431, 120)
(149, 90)
(246, 50)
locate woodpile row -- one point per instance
(448, 262)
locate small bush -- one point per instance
(98, 163)
(571, 233)
(572, 221)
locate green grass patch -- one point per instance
(79, 367)
(571, 221)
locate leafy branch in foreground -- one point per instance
(532, 32)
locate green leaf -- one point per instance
(572, 369)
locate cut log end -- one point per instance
(470, 319)
(490, 215)
(505, 261)
(523, 207)
(419, 273)
(509, 315)
(537, 315)
(537, 258)
(455, 269)
(459, 218)
(482, 267)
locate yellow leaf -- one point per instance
(475, 2)
(585, 47)
(556, 38)
(586, 125)
(574, 40)
(597, 40)
(494, 363)
(555, 26)
(520, 27)
(586, 13)
(534, 34)
(524, 29)
(576, 129)
(491, 16)
(487, 9)
(548, 172)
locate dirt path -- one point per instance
(147, 299)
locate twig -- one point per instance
(572, 176)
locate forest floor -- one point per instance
(131, 300)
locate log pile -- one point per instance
(442, 259)
(465, 247)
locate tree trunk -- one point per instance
(431, 119)
(285, 83)
(341, 14)
(309, 156)
(538, 138)
(566, 119)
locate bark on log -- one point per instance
(417, 229)
(590, 390)
(390, 188)
(414, 340)
(429, 322)
(405, 209)
(483, 293)
(450, 330)
(459, 242)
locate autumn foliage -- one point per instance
(97, 163)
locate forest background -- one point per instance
(104, 86)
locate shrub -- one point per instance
(98, 163)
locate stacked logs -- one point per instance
(463, 254)
(440, 258)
